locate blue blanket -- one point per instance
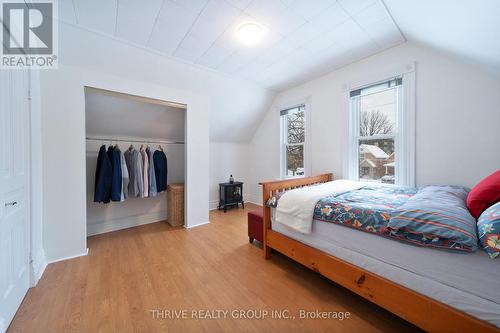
(406, 214)
(368, 208)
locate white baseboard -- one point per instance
(100, 227)
(196, 225)
(38, 265)
(70, 257)
(212, 205)
(257, 200)
(255, 203)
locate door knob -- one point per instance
(12, 203)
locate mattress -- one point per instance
(467, 282)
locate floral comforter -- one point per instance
(368, 208)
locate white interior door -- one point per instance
(14, 198)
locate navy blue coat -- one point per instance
(161, 170)
(103, 177)
(116, 179)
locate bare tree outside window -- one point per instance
(295, 124)
(374, 123)
(295, 160)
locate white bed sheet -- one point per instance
(467, 282)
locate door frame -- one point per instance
(37, 259)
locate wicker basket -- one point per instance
(175, 204)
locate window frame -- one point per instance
(404, 137)
(355, 103)
(284, 143)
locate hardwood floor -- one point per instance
(129, 273)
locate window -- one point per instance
(293, 134)
(379, 130)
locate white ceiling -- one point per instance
(303, 38)
(468, 28)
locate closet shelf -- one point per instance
(135, 140)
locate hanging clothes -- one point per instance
(116, 183)
(125, 176)
(145, 171)
(161, 170)
(151, 174)
(103, 177)
(129, 160)
(138, 174)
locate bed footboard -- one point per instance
(270, 188)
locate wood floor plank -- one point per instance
(131, 272)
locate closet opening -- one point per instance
(124, 134)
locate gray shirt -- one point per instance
(152, 174)
(138, 175)
(125, 179)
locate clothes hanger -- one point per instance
(160, 148)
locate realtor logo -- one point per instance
(29, 36)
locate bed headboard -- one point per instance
(270, 188)
(288, 184)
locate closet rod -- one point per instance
(137, 140)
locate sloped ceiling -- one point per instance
(467, 28)
(301, 37)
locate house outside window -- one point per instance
(293, 139)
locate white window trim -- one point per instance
(307, 139)
(405, 143)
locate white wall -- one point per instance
(122, 116)
(63, 133)
(226, 159)
(457, 111)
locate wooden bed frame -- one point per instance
(422, 311)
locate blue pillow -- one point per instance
(488, 226)
(437, 216)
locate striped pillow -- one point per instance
(437, 216)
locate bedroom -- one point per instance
(390, 106)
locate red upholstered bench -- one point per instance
(255, 225)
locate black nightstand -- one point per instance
(230, 194)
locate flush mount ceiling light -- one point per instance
(250, 33)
